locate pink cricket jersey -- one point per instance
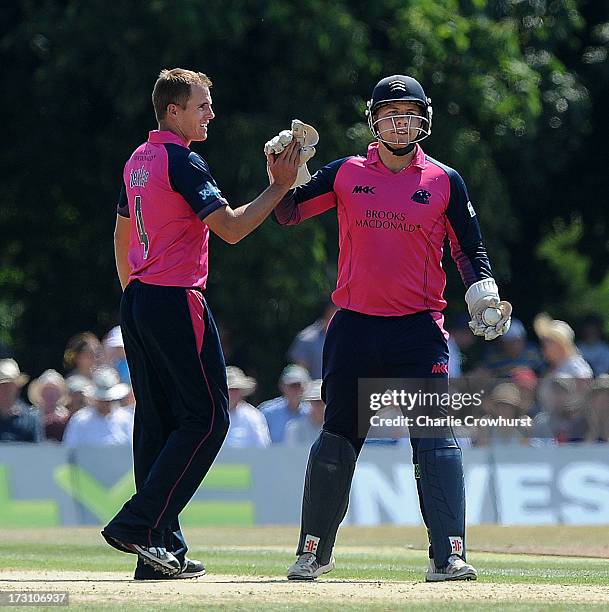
(392, 228)
(167, 191)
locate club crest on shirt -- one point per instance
(138, 178)
(421, 196)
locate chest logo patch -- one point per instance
(364, 189)
(421, 196)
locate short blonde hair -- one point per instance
(174, 87)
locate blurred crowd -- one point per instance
(557, 377)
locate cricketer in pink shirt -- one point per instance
(395, 208)
(168, 205)
(392, 228)
(168, 189)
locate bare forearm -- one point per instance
(122, 262)
(248, 217)
(121, 249)
(233, 225)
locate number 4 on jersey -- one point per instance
(140, 225)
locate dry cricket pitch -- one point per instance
(377, 568)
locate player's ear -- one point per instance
(172, 109)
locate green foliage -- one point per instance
(581, 295)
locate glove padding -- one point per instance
(480, 296)
(307, 136)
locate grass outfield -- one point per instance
(377, 568)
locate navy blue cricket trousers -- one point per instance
(411, 347)
(365, 346)
(181, 415)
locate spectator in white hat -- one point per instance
(290, 405)
(248, 426)
(558, 345)
(564, 360)
(305, 430)
(49, 393)
(114, 349)
(103, 422)
(79, 389)
(19, 422)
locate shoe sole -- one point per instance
(153, 561)
(184, 575)
(324, 569)
(468, 575)
(142, 553)
(190, 575)
(175, 577)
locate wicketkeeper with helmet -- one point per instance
(395, 208)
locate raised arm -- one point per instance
(191, 178)
(234, 224)
(311, 199)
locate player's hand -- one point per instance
(491, 316)
(307, 136)
(278, 143)
(283, 167)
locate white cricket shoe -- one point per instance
(456, 569)
(157, 557)
(307, 567)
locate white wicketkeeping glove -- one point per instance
(491, 317)
(307, 136)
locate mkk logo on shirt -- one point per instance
(364, 189)
(421, 196)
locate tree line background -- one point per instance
(520, 91)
